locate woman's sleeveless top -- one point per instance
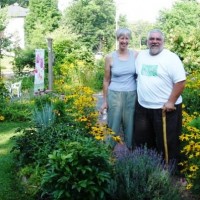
(123, 73)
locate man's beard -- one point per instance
(154, 50)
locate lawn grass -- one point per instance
(10, 187)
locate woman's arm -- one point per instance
(106, 81)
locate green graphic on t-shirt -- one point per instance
(149, 70)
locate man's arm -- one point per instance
(176, 92)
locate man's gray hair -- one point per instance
(122, 32)
(156, 31)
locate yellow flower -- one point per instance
(2, 118)
(184, 137)
(188, 186)
(117, 139)
(99, 137)
(194, 168)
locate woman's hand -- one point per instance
(103, 107)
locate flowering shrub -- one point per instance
(191, 149)
(141, 174)
(190, 139)
(103, 133)
(191, 94)
(81, 103)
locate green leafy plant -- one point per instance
(195, 123)
(33, 145)
(24, 58)
(45, 117)
(79, 168)
(17, 110)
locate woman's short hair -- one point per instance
(122, 32)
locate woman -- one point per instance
(119, 87)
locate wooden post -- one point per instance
(50, 64)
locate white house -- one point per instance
(15, 27)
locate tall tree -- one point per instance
(23, 3)
(43, 17)
(140, 30)
(184, 14)
(122, 22)
(181, 24)
(93, 21)
(4, 41)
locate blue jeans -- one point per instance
(121, 108)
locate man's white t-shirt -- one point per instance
(156, 77)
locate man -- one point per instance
(160, 82)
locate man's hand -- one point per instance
(169, 107)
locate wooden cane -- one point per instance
(165, 136)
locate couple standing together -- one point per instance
(139, 87)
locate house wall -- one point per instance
(15, 29)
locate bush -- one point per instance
(79, 169)
(97, 80)
(24, 58)
(142, 175)
(33, 145)
(17, 110)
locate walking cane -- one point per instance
(165, 136)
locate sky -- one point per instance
(147, 10)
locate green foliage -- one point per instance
(4, 93)
(195, 123)
(17, 110)
(139, 33)
(74, 62)
(191, 100)
(191, 151)
(96, 31)
(141, 175)
(122, 21)
(191, 93)
(44, 117)
(24, 58)
(4, 40)
(79, 168)
(27, 82)
(96, 81)
(180, 25)
(33, 145)
(3, 19)
(182, 15)
(11, 186)
(22, 3)
(43, 17)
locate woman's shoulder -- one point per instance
(134, 52)
(110, 55)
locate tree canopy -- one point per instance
(181, 25)
(43, 17)
(93, 21)
(23, 3)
